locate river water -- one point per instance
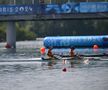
(43, 76)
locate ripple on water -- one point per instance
(47, 76)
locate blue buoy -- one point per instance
(76, 41)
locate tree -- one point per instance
(24, 30)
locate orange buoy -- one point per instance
(95, 46)
(42, 50)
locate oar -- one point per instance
(61, 58)
(56, 56)
(94, 55)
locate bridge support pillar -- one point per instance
(11, 35)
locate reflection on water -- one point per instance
(47, 65)
(48, 75)
(19, 53)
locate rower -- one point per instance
(72, 54)
(50, 55)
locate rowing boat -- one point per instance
(56, 58)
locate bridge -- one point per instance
(74, 16)
(35, 12)
(82, 10)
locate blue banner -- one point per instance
(82, 7)
(61, 8)
(16, 9)
(44, 9)
(93, 7)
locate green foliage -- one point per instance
(2, 32)
(71, 27)
(24, 31)
(25, 35)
